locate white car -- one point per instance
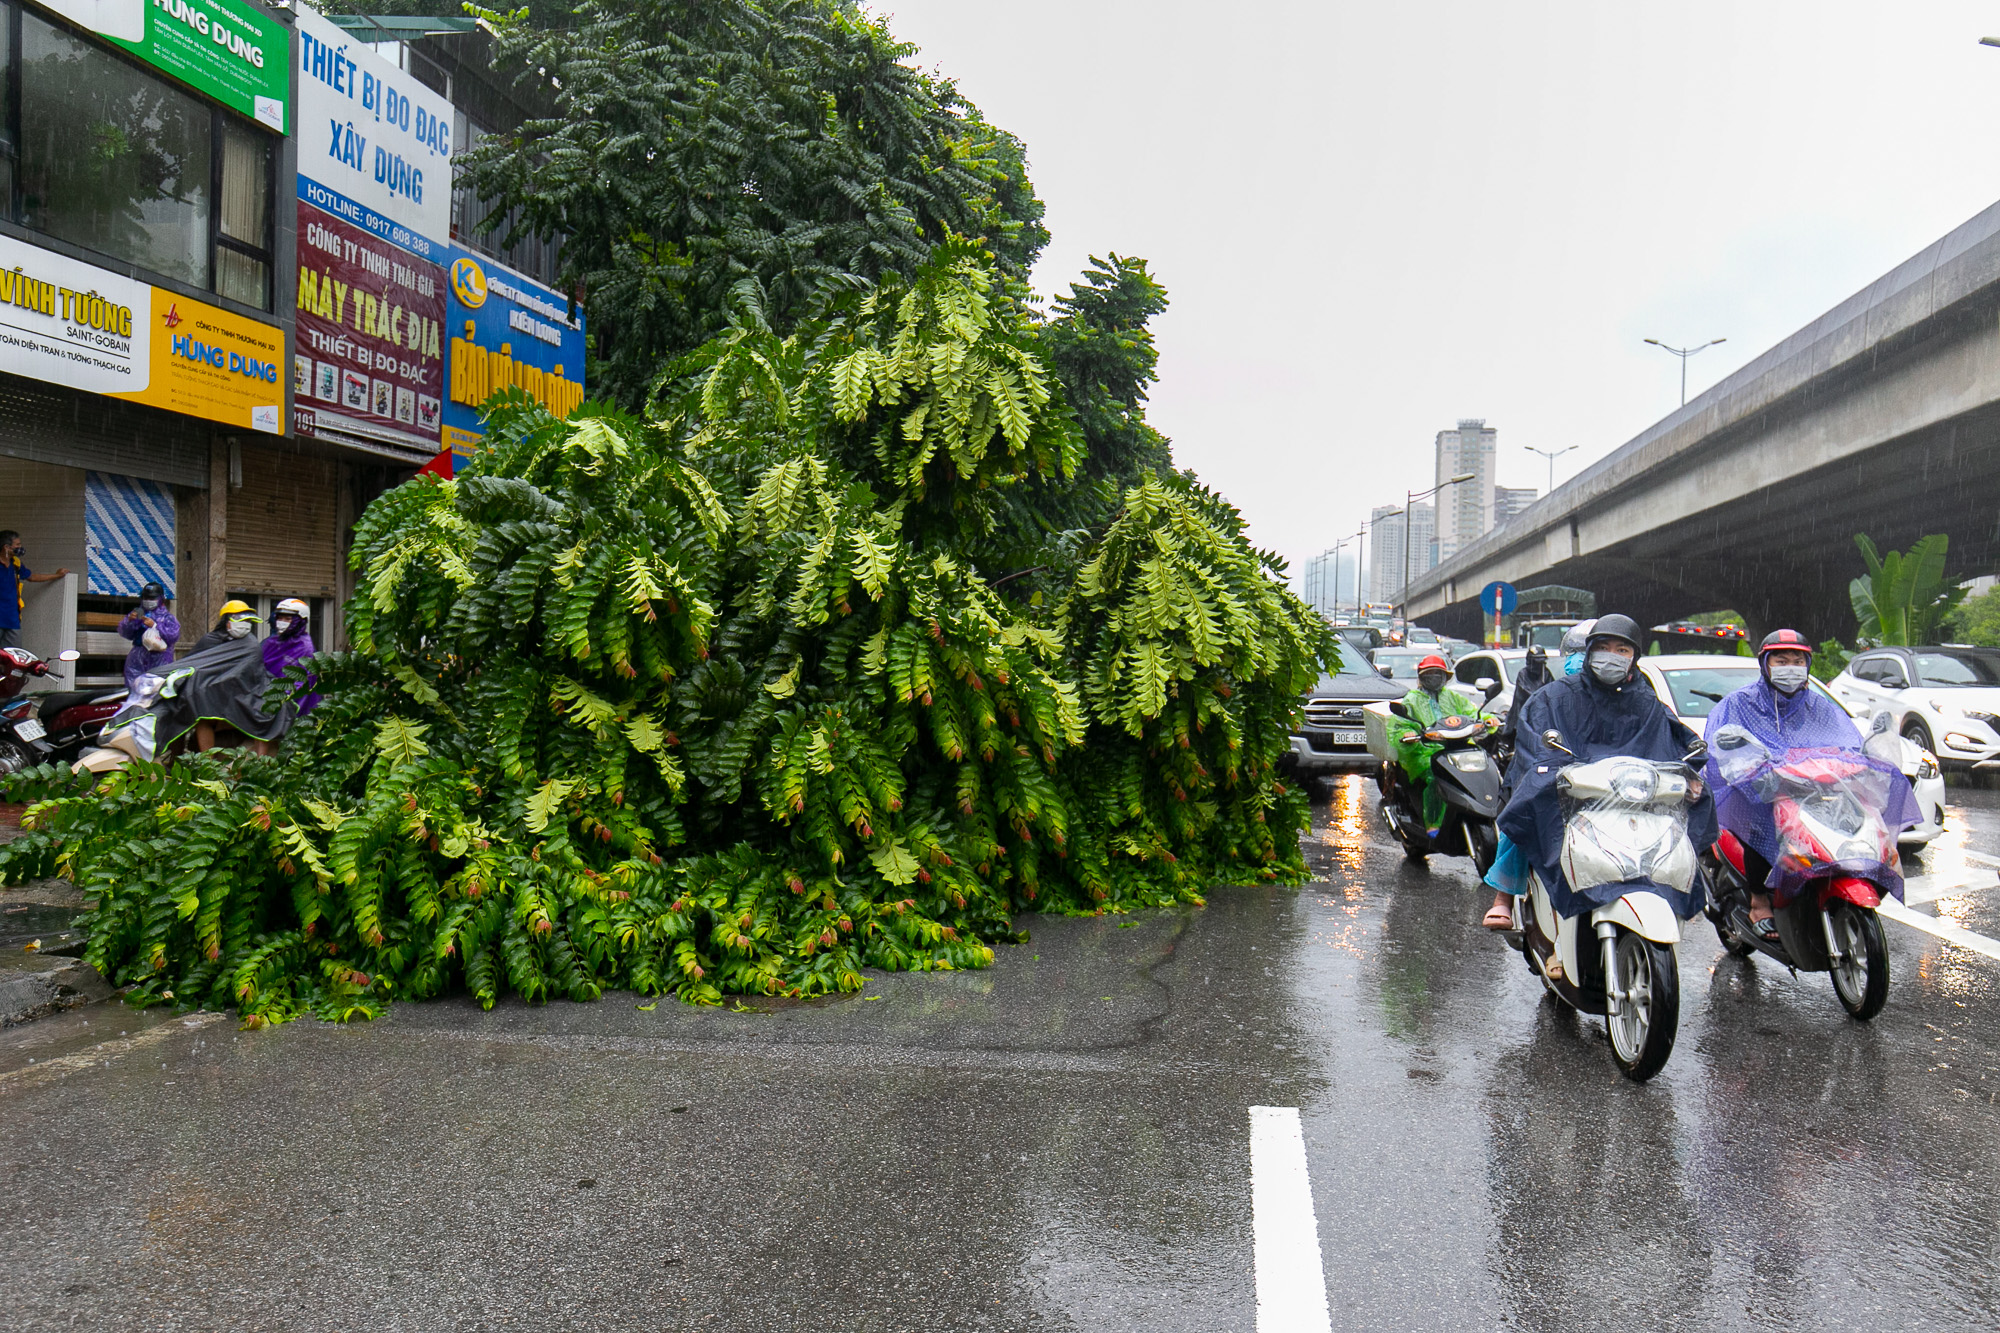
(1501, 664)
(1945, 699)
(1692, 683)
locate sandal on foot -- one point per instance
(1766, 930)
(1498, 918)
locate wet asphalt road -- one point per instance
(1060, 1142)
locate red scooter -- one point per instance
(46, 728)
(1839, 851)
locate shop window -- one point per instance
(102, 153)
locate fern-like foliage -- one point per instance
(723, 701)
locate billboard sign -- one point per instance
(506, 330)
(231, 51)
(369, 355)
(66, 322)
(374, 135)
(374, 215)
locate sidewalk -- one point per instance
(40, 972)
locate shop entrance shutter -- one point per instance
(128, 533)
(281, 526)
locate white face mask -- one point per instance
(148, 603)
(237, 627)
(1788, 679)
(1609, 667)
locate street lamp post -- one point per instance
(1410, 499)
(1553, 454)
(1684, 353)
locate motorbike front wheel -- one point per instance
(1648, 1016)
(1861, 977)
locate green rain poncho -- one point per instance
(1426, 712)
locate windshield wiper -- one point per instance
(1709, 695)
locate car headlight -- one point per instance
(1990, 719)
(1467, 761)
(1632, 783)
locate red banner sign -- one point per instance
(370, 350)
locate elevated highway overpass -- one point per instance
(1881, 416)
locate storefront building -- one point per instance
(226, 314)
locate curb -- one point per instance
(24, 999)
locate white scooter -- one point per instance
(1625, 822)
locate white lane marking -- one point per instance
(1980, 857)
(1944, 930)
(1291, 1278)
(1930, 888)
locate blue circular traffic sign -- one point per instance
(1498, 599)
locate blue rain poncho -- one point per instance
(1596, 721)
(1795, 731)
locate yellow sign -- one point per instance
(468, 282)
(63, 321)
(209, 363)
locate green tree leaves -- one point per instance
(1904, 598)
(726, 701)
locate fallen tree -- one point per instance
(730, 700)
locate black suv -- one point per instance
(1334, 738)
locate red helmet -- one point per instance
(1433, 663)
(1783, 640)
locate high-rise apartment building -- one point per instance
(1465, 511)
(1511, 500)
(1387, 529)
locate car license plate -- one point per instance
(1350, 738)
(30, 730)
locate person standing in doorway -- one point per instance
(15, 576)
(153, 630)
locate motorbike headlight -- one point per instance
(1856, 850)
(1927, 767)
(1467, 761)
(1633, 783)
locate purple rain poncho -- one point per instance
(1798, 729)
(143, 661)
(284, 651)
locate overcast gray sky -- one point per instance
(1377, 218)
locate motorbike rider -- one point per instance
(1607, 708)
(1784, 715)
(1427, 705)
(1508, 877)
(153, 631)
(234, 621)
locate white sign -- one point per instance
(372, 132)
(66, 322)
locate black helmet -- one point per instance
(1615, 626)
(155, 591)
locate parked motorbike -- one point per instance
(1624, 823)
(23, 742)
(1829, 814)
(1468, 780)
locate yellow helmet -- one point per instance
(232, 607)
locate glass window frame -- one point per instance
(10, 150)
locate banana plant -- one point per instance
(1905, 596)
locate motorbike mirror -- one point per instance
(68, 655)
(1399, 708)
(1554, 740)
(1487, 686)
(1697, 756)
(1880, 724)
